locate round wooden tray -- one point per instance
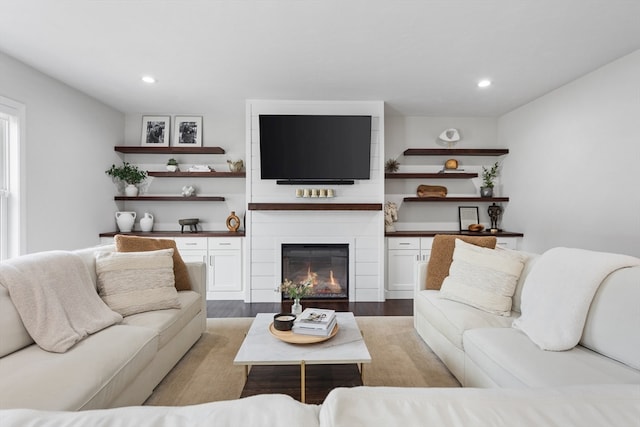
(290, 337)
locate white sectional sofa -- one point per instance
(484, 350)
(117, 366)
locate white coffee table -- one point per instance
(260, 347)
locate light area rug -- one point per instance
(206, 373)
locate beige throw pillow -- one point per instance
(134, 282)
(483, 278)
(442, 255)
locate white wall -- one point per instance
(573, 173)
(69, 145)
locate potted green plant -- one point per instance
(488, 176)
(128, 175)
(172, 165)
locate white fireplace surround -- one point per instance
(267, 230)
(319, 240)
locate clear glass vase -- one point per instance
(296, 307)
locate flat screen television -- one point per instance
(313, 148)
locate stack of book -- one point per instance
(315, 321)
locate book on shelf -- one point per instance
(315, 318)
(302, 329)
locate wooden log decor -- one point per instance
(431, 191)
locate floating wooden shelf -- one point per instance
(456, 199)
(168, 150)
(212, 174)
(445, 175)
(315, 206)
(456, 151)
(177, 233)
(173, 198)
(431, 233)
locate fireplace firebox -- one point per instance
(326, 266)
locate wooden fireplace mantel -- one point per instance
(315, 206)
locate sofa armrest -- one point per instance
(420, 276)
(197, 277)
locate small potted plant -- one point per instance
(127, 175)
(172, 165)
(391, 166)
(295, 291)
(488, 176)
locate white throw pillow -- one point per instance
(483, 278)
(134, 282)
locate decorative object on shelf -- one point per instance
(390, 216)
(236, 166)
(468, 216)
(451, 164)
(494, 213)
(146, 222)
(200, 168)
(391, 165)
(233, 222)
(476, 227)
(449, 137)
(188, 191)
(424, 190)
(488, 176)
(127, 178)
(125, 221)
(155, 131)
(295, 291)
(187, 131)
(172, 165)
(191, 222)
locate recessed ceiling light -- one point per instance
(148, 79)
(484, 83)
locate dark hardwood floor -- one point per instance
(392, 307)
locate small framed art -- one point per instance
(187, 131)
(155, 131)
(468, 215)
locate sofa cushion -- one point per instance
(442, 255)
(511, 359)
(95, 370)
(168, 323)
(14, 334)
(140, 244)
(452, 318)
(483, 278)
(614, 318)
(135, 282)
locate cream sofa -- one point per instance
(118, 366)
(484, 350)
(576, 406)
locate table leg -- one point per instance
(303, 385)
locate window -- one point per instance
(11, 172)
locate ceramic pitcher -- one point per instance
(125, 221)
(146, 222)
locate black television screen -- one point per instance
(309, 147)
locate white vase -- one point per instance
(125, 221)
(146, 222)
(131, 190)
(296, 307)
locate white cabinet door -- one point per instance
(192, 249)
(225, 265)
(402, 254)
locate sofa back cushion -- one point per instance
(530, 261)
(88, 256)
(612, 324)
(14, 334)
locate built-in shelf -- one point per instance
(315, 206)
(456, 151)
(211, 174)
(173, 198)
(160, 234)
(456, 199)
(432, 233)
(444, 175)
(167, 150)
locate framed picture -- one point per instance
(468, 215)
(155, 131)
(187, 131)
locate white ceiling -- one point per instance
(420, 57)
